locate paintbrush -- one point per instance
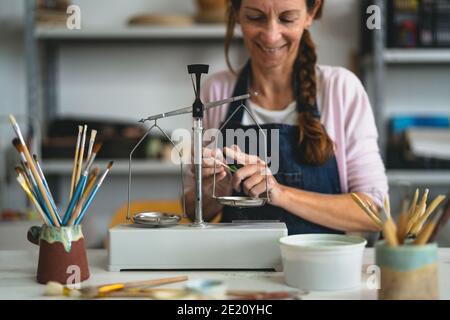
(32, 188)
(57, 289)
(37, 193)
(91, 180)
(422, 219)
(443, 220)
(21, 172)
(23, 148)
(36, 204)
(44, 181)
(17, 144)
(363, 205)
(425, 233)
(75, 161)
(80, 156)
(35, 190)
(91, 142)
(84, 197)
(16, 129)
(93, 193)
(80, 186)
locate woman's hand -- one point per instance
(208, 166)
(253, 176)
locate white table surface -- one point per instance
(18, 277)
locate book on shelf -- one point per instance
(429, 142)
(419, 142)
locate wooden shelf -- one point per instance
(425, 177)
(143, 167)
(198, 32)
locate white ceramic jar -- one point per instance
(322, 261)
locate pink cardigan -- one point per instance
(346, 115)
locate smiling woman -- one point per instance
(327, 135)
(277, 38)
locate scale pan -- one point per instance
(242, 202)
(156, 219)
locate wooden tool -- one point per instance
(403, 226)
(443, 220)
(425, 234)
(422, 219)
(372, 215)
(75, 161)
(389, 227)
(56, 289)
(418, 211)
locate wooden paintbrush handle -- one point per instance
(401, 231)
(390, 233)
(41, 186)
(155, 282)
(442, 221)
(425, 234)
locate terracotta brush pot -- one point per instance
(62, 254)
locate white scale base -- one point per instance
(251, 246)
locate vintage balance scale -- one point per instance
(155, 241)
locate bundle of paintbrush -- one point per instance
(415, 221)
(85, 181)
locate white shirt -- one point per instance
(288, 115)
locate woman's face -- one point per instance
(272, 30)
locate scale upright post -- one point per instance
(244, 245)
(197, 116)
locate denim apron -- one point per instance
(292, 173)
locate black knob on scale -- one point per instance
(197, 70)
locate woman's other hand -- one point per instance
(252, 176)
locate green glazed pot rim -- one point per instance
(406, 247)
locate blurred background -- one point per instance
(128, 61)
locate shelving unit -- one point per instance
(420, 177)
(46, 55)
(379, 63)
(141, 167)
(194, 32)
(43, 45)
(422, 56)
